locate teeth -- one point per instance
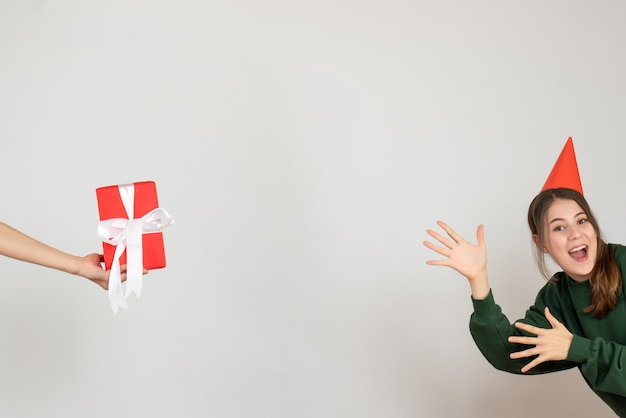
(582, 247)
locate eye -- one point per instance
(559, 228)
(582, 221)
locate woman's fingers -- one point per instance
(529, 328)
(443, 251)
(525, 353)
(537, 361)
(451, 232)
(445, 241)
(549, 344)
(523, 340)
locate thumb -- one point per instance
(551, 319)
(480, 234)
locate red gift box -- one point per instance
(110, 205)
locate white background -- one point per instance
(303, 148)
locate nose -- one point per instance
(574, 232)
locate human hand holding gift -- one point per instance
(130, 228)
(90, 267)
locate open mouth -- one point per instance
(578, 253)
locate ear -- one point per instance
(536, 241)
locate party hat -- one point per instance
(565, 171)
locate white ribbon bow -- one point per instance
(126, 234)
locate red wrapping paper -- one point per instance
(110, 206)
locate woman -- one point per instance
(17, 245)
(578, 318)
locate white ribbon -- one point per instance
(126, 234)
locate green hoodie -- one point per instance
(599, 345)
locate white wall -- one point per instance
(303, 148)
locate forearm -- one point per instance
(491, 331)
(602, 363)
(15, 244)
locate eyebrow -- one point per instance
(561, 219)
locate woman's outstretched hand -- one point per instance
(468, 259)
(549, 344)
(90, 267)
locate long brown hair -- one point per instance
(606, 279)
